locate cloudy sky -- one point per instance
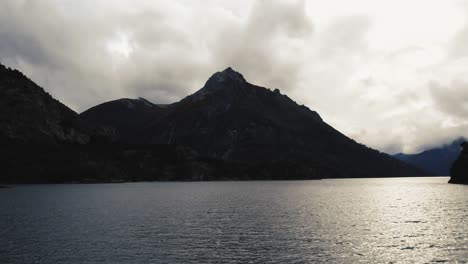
(390, 74)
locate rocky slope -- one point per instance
(29, 115)
(459, 169)
(228, 130)
(231, 120)
(42, 140)
(126, 115)
(437, 161)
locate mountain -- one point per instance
(437, 161)
(228, 130)
(30, 115)
(44, 141)
(459, 169)
(125, 115)
(233, 121)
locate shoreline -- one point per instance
(6, 185)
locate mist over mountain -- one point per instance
(437, 161)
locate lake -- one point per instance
(404, 220)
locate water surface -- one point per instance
(410, 220)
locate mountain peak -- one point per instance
(229, 74)
(220, 82)
(230, 70)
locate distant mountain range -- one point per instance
(437, 161)
(229, 129)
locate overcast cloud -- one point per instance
(390, 74)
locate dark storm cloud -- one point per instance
(63, 46)
(68, 53)
(54, 49)
(357, 68)
(268, 44)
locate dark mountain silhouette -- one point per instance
(437, 161)
(126, 115)
(29, 115)
(42, 140)
(231, 120)
(459, 169)
(229, 130)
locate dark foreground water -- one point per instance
(412, 220)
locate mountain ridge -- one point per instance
(28, 114)
(233, 120)
(132, 111)
(437, 160)
(228, 130)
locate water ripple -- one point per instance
(413, 220)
